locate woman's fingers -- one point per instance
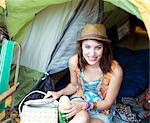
(67, 116)
(49, 93)
(70, 113)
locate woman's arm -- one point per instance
(72, 86)
(113, 89)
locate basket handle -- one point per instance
(36, 91)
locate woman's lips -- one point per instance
(92, 58)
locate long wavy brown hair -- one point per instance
(105, 61)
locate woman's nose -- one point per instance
(92, 52)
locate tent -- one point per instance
(48, 29)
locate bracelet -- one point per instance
(89, 106)
(94, 105)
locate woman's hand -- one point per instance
(76, 107)
(53, 95)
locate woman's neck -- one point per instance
(92, 72)
(92, 67)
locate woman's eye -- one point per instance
(87, 46)
(98, 48)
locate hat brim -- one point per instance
(94, 38)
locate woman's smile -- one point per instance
(92, 58)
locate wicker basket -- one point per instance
(38, 111)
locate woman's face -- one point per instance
(92, 51)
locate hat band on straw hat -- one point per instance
(94, 37)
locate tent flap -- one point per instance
(45, 32)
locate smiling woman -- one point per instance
(94, 77)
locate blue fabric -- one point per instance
(90, 91)
(135, 65)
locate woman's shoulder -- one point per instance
(73, 59)
(116, 67)
(115, 64)
(73, 62)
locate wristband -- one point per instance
(94, 105)
(89, 106)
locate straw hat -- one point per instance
(94, 32)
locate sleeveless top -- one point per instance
(98, 88)
(90, 89)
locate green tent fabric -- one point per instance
(23, 11)
(5, 65)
